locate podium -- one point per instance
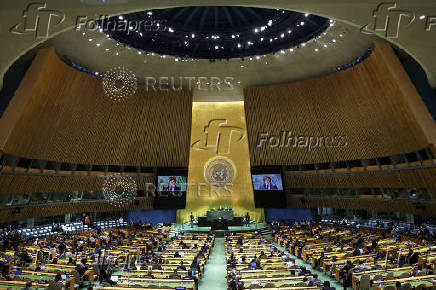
(215, 214)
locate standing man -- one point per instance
(192, 220)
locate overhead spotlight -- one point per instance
(334, 40)
(170, 29)
(306, 14)
(269, 22)
(303, 44)
(256, 30)
(325, 45)
(98, 44)
(192, 35)
(422, 17)
(149, 13)
(302, 22)
(261, 39)
(233, 36)
(120, 17)
(242, 65)
(139, 52)
(257, 57)
(117, 53)
(216, 46)
(316, 49)
(239, 45)
(282, 35)
(282, 51)
(90, 39)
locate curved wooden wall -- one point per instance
(413, 178)
(374, 105)
(61, 114)
(14, 214)
(417, 208)
(33, 184)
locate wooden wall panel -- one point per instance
(68, 118)
(417, 208)
(14, 214)
(419, 178)
(367, 104)
(31, 184)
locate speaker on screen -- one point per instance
(170, 188)
(268, 187)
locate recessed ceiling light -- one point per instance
(422, 17)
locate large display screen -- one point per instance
(171, 183)
(267, 181)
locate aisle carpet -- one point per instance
(214, 277)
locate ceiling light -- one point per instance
(302, 22)
(282, 35)
(304, 44)
(117, 53)
(139, 52)
(316, 49)
(192, 35)
(90, 39)
(422, 17)
(325, 45)
(269, 22)
(149, 13)
(98, 44)
(120, 17)
(242, 66)
(306, 14)
(334, 40)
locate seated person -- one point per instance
(149, 274)
(327, 286)
(181, 266)
(174, 275)
(313, 280)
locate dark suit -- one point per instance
(265, 187)
(168, 188)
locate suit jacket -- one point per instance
(167, 188)
(271, 186)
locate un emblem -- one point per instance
(219, 171)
